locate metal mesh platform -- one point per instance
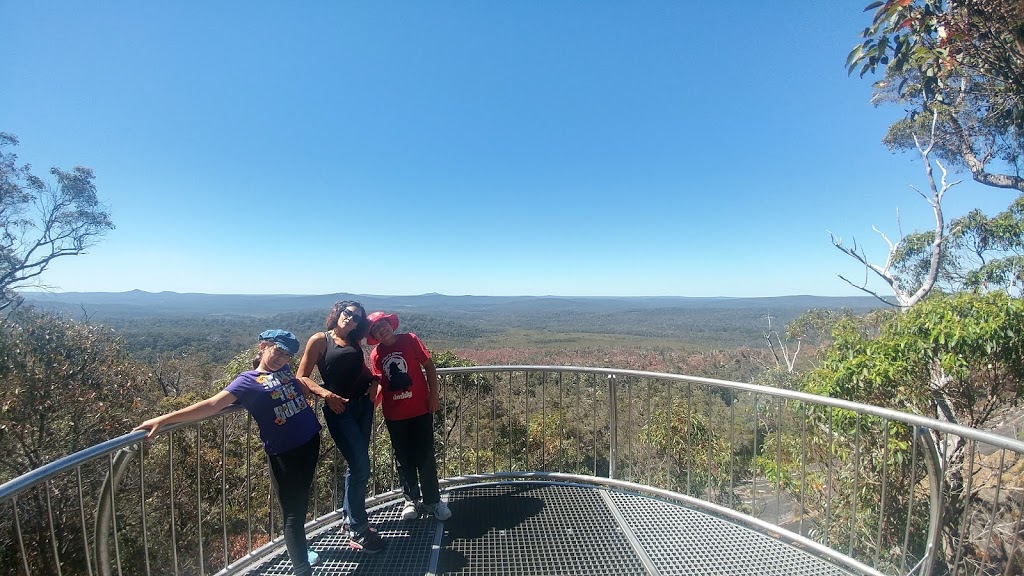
(545, 528)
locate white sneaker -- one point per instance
(410, 511)
(442, 512)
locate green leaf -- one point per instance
(854, 56)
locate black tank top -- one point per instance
(343, 369)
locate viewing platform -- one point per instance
(542, 525)
(555, 470)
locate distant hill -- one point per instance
(222, 325)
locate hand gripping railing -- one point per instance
(898, 492)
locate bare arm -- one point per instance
(432, 386)
(197, 411)
(315, 348)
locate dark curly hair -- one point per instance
(361, 329)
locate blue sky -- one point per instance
(527, 148)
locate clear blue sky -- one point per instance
(490, 148)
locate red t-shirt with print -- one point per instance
(404, 386)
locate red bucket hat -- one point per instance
(374, 318)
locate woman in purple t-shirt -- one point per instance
(288, 427)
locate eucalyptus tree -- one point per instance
(41, 221)
(67, 386)
(910, 289)
(962, 61)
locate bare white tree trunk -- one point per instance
(907, 296)
(790, 361)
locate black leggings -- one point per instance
(291, 475)
(413, 442)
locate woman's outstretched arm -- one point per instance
(197, 411)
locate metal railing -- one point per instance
(901, 493)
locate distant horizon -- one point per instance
(139, 290)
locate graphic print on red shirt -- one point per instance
(405, 393)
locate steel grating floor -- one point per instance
(545, 528)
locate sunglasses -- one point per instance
(350, 314)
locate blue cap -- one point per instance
(283, 339)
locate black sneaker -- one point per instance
(367, 541)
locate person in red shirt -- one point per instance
(408, 394)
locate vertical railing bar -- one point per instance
(650, 414)
(753, 458)
(885, 486)
(199, 493)
(270, 508)
(669, 420)
(526, 420)
(613, 430)
(473, 431)
(778, 461)
(53, 530)
(966, 504)
(995, 506)
(316, 486)
(1016, 534)
(85, 533)
(582, 382)
(449, 453)
(142, 504)
(943, 449)
(732, 451)
(934, 471)
(378, 472)
(710, 489)
(442, 396)
(805, 410)
(594, 396)
(248, 480)
(170, 483)
(629, 429)
(508, 420)
(910, 503)
(561, 424)
(494, 418)
(113, 511)
(828, 481)
(543, 419)
(21, 539)
(856, 475)
(689, 438)
(476, 424)
(224, 488)
(336, 481)
(462, 396)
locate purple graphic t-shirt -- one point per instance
(276, 402)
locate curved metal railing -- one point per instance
(901, 493)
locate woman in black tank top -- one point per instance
(337, 353)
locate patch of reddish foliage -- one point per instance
(740, 364)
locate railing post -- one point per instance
(934, 467)
(104, 507)
(613, 433)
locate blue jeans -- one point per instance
(351, 433)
